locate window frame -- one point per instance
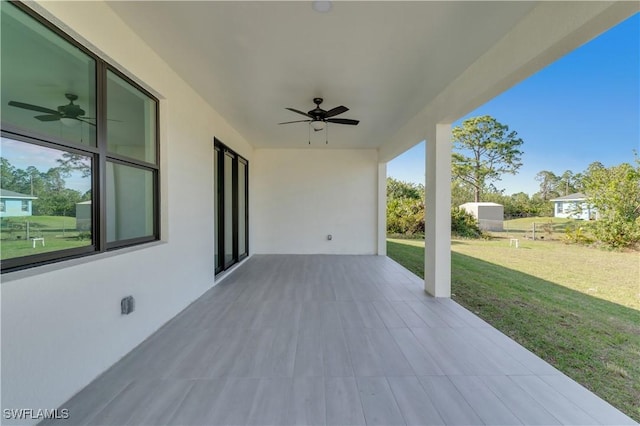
(99, 156)
(220, 188)
(129, 161)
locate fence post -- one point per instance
(533, 237)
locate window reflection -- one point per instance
(48, 85)
(131, 124)
(46, 199)
(130, 202)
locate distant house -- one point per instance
(14, 204)
(490, 216)
(574, 206)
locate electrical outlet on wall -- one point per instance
(127, 305)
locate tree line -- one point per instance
(485, 150)
(53, 197)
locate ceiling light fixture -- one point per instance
(317, 125)
(69, 122)
(321, 6)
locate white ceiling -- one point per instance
(386, 61)
(383, 60)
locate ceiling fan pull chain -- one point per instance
(309, 133)
(326, 133)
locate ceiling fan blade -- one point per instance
(300, 112)
(335, 111)
(47, 117)
(343, 121)
(93, 118)
(33, 107)
(297, 121)
(85, 121)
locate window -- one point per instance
(66, 114)
(2, 208)
(231, 213)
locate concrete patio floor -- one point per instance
(335, 340)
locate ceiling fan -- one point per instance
(69, 114)
(318, 118)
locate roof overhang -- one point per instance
(399, 66)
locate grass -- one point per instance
(575, 307)
(59, 233)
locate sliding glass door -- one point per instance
(231, 212)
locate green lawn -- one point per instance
(59, 233)
(576, 307)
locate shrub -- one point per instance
(405, 216)
(616, 232)
(464, 224)
(84, 236)
(615, 194)
(576, 234)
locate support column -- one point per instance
(437, 262)
(382, 209)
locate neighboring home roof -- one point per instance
(5, 193)
(578, 196)
(482, 204)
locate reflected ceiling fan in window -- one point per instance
(319, 118)
(69, 114)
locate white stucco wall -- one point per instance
(302, 195)
(61, 324)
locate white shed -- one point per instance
(490, 216)
(83, 216)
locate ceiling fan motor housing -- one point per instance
(70, 110)
(317, 113)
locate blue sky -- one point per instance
(584, 107)
(22, 155)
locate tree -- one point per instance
(74, 162)
(615, 193)
(399, 189)
(548, 184)
(491, 151)
(569, 183)
(6, 173)
(53, 197)
(460, 193)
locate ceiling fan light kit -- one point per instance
(317, 125)
(319, 119)
(69, 122)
